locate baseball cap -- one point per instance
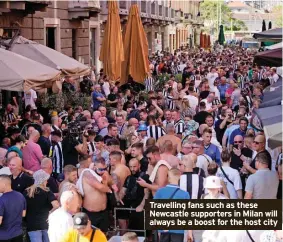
(142, 127)
(80, 220)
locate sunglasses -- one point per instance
(238, 142)
(102, 169)
(195, 147)
(187, 147)
(256, 142)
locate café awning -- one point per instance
(271, 58)
(48, 57)
(18, 73)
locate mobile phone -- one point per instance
(235, 146)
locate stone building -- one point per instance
(169, 24)
(76, 27)
(71, 27)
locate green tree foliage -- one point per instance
(208, 11)
(277, 11)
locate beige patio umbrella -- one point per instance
(18, 73)
(136, 49)
(112, 51)
(48, 57)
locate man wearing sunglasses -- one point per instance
(259, 146)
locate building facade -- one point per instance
(76, 27)
(169, 24)
(71, 27)
(251, 16)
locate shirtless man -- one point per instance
(119, 172)
(159, 174)
(95, 199)
(170, 130)
(168, 154)
(70, 176)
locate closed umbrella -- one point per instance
(205, 41)
(201, 40)
(112, 50)
(221, 37)
(49, 57)
(136, 49)
(18, 73)
(263, 26)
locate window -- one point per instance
(50, 37)
(74, 43)
(92, 46)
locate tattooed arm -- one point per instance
(116, 181)
(92, 181)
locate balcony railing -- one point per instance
(83, 9)
(84, 4)
(26, 7)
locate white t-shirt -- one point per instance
(30, 97)
(216, 91)
(203, 162)
(60, 221)
(234, 176)
(193, 101)
(211, 77)
(106, 88)
(275, 78)
(208, 106)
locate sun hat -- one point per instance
(212, 182)
(40, 176)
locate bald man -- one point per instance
(12, 209)
(259, 146)
(170, 135)
(46, 165)
(189, 181)
(102, 124)
(134, 122)
(32, 153)
(168, 154)
(20, 180)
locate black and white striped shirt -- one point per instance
(155, 132)
(56, 155)
(179, 126)
(170, 102)
(164, 93)
(91, 147)
(193, 184)
(176, 69)
(122, 128)
(149, 84)
(10, 118)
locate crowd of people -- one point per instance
(69, 175)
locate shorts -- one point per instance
(122, 214)
(98, 219)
